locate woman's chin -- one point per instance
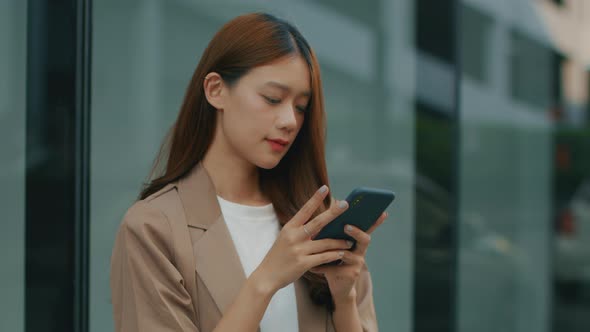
(269, 163)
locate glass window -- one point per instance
(505, 179)
(530, 70)
(144, 53)
(474, 59)
(434, 212)
(13, 55)
(433, 31)
(571, 224)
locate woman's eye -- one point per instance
(272, 100)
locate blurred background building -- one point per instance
(475, 112)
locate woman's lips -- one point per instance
(276, 145)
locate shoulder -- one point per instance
(146, 228)
(151, 214)
(153, 209)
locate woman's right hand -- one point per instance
(294, 252)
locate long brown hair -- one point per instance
(243, 43)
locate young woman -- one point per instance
(222, 238)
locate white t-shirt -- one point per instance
(254, 230)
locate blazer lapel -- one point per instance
(216, 258)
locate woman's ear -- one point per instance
(214, 90)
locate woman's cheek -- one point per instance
(255, 102)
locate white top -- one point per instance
(254, 230)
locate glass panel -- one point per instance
(13, 55)
(571, 264)
(144, 53)
(433, 20)
(530, 68)
(434, 184)
(475, 57)
(435, 203)
(571, 200)
(505, 172)
(370, 131)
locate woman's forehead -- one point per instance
(290, 74)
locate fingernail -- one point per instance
(348, 228)
(342, 204)
(386, 214)
(341, 253)
(350, 243)
(323, 189)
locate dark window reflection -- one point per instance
(476, 34)
(530, 71)
(50, 165)
(433, 283)
(434, 30)
(572, 229)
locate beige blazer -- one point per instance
(160, 282)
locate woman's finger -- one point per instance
(362, 239)
(317, 246)
(323, 258)
(349, 258)
(320, 269)
(377, 223)
(303, 215)
(315, 225)
(352, 258)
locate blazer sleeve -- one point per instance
(146, 288)
(365, 305)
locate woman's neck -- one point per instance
(234, 179)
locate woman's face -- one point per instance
(263, 112)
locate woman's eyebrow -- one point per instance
(285, 87)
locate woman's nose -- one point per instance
(287, 118)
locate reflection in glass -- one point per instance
(524, 170)
(143, 55)
(13, 22)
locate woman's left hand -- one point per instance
(342, 278)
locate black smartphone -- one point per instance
(365, 205)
